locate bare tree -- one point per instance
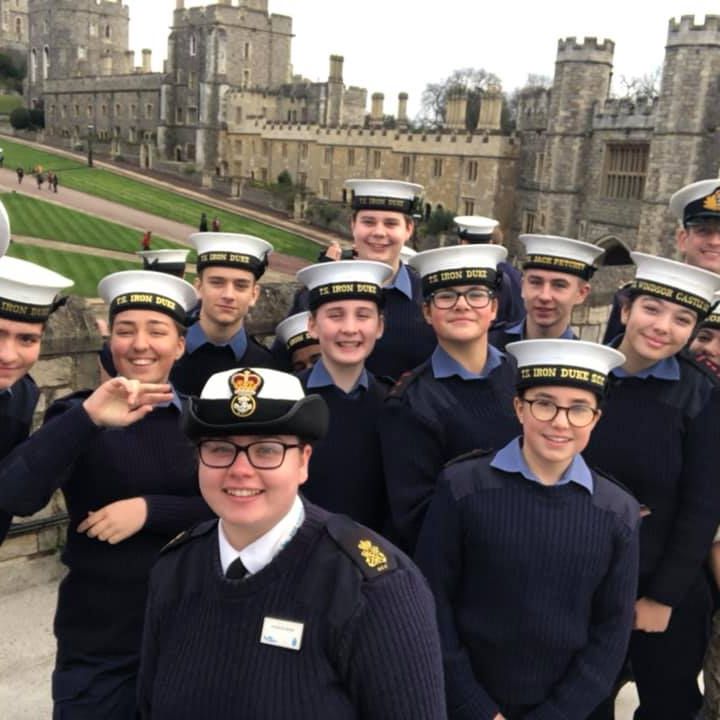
(642, 86)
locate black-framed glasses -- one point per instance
(546, 410)
(262, 455)
(475, 297)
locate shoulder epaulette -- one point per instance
(370, 552)
(187, 535)
(408, 377)
(473, 454)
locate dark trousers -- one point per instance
(666, 665)
(119, 703)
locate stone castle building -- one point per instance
(228, 106)
(603, 170)
(14, 25)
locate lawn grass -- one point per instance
(85, 270)
(157, 201)
(8, 103)
(37, 218)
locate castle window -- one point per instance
(89, 111)
(46, 62)
(81, 52)
(246, 51)
(132, 134)
(406, 165)
(107, 32)
(192, 79)
(133, 110)
(351, 156)
(302, 179)
(18, 29)
(468, 207)
(377, 159)
(149, 111)
(179, 115)
(33, 65)
(77, 110)
(328, 156)
(193, 44)
(118, 109)
(92, 30)
(472, 174)
(437, 167)
(246, 78)
(63, 111)
(325, 188)
(528, 221)
(190, 151)
(192, 114)
(625, 171)
(103, 110)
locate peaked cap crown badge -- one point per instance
(712, 201)
(244, 384)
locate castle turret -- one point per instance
(402, 118)
(376, 112)
(582, 78)
(456, 108)
(686, 141)
(335, 92)
(490, 109)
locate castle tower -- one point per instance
(456, 108)
(335, 92)
(211, 49)
(686, 142)
(582, 78)
(490, 109)
(376, 111)
(14, 25)
(402, 116)
(70, 38)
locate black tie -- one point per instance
(236, 570)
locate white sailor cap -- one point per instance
(564, 362)
(395, 195)
(255, 401)
(293, 332)
(677, 282)
(475, 228)
(458, 265)
(28, 291)
(4, 230)
(234, 250)
(712, 320)
(146, 290)
(698, 201)
(406, 253)
(171, 262)
(349, 280)
(560, 254)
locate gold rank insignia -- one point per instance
(712, 201)
(245, 384)
(373, 555)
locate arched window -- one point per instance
(193, 44)
(107, 32)
(18, 28)
(46, 62)
(33, 65)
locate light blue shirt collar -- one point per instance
(444, 366)
(401, 282)
(320, 377)
(665, 369)
(519, 329)
(175, 401)
(196, 338)
(510, 459)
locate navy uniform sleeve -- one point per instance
(38, 467)
(698, 508)
(149, 650)
(412, 459)
(593, 671)
(440, 557)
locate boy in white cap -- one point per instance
(346, 300)
(556, 278)
(476, 229)
(382, 222)
(27, 298)
(129, 480)
(229, 266)
(658, 437)
(461, 397)
(297, 343)
(532, 555)
(697, 209)
(280, 609)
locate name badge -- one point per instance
(281, 633)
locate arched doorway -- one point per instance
(616, 251)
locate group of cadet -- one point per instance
(242, 519)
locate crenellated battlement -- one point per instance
(590, 49)
(627, 106)
(687, 31)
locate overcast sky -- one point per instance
(392, 46)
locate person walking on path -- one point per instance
(215, 224)
(20, 175)
(54, 182)
(203, 227)
(146, 240)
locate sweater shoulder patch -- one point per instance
(372, 554)
(187, 535)
(472, 455)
